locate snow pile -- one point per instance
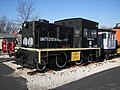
(52, 78)
(4, 56)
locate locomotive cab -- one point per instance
(85, 32)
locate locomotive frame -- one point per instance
(69, 54)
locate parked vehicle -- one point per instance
(8, 46)
(70, 40)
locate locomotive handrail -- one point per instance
(56, 49)
(31, 49)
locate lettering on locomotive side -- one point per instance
(90, 38)
(50, 39)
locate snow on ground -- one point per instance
(52, 78)
(4, 55)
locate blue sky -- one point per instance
(106, 12)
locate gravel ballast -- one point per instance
(52, 79)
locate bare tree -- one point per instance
(25, 11)
(12, 27)
(7, 26)
(4, 24)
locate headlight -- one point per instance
(24, 25)
(25, 41)
(30, 41)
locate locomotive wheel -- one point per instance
(80, 61)
(90, 58)
(61, 60)
(41, 66)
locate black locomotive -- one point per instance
(68, 40)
